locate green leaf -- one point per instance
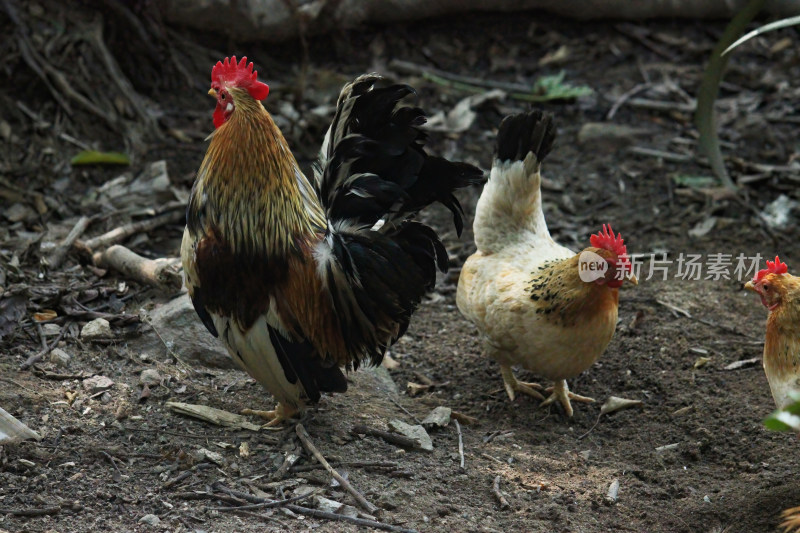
(93, 157)
(782, 421)
(694, 182)
(777, 25)
(554, 88)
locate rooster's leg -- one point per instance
(560, 392)
(277, 416)
(513, 386)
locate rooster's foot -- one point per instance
(277, 416)
(560, 391)
(513, 386)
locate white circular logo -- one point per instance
(591, 266)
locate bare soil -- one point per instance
(106, 461)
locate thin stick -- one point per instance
(32, 360)
(264, 505)
(349, 464)
(460, 444)
(60, 252)
(666, 156)
(306, 440)
(32, 512)
(499, 495)
(315, 513)
(625, 97)
(121, 233)
(391, 438)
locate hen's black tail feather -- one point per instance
(525, 132)
(373, 180)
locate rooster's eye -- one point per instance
(222, 96)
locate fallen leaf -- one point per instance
(45, 315)
(93, 157)
(742, 364)
(615, 403)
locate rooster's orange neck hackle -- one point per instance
(249, 164)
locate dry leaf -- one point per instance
(45, 315)
(615, 404)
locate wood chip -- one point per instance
(213, 415)
(736, 365)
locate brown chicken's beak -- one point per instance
(750, 287)
(212, 93)
(632, 278)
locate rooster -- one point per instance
(303, 278)
(522, 290)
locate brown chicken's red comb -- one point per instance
(773, 267)
(239, 74)
(608, 241)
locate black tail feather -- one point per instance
(372, 182)
(523, 133)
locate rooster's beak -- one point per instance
(212, 93)
(750, 287)
(632, 279)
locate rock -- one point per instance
(51, 330)
(150, 520)
(150, 377)
(97, 384)
(18, 213)
(607, 135)
(60, 358)
(439, 417)
(416, 433)
(203, 454)
(777, 214)
(99, 328)
(184, 333)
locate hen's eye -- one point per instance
(222, 96)
(766, 288)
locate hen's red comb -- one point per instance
(773, 267)
(608, 241)
(239, 74)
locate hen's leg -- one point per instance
(513, 386)
(277, 416)
(560, 392)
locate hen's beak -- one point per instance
(212, 93)
(632, 278)
(750, 287)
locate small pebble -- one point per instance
(150, 519)
(60, 358)
(150, 377)
(99, 328)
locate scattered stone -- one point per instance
(177, 323)
(150, 377)
(415, 433)
(150, 520)
(99, 328)
(613, 492)
(60, 358)
(51, 330)
(203, 454)
(702, 228)
(19, 212)
(439, 417)
(97, 384)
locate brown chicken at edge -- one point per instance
(780, 294)
(521, 289)
(300, 277)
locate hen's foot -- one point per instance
(560, 391)
(277, 416)
(513, 386)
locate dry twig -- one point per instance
(460, 444)
(123, 232)
(362, 501)
(499, 495)
(160, 273)
(391, 438)
(60, 252)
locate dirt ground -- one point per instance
(694, 457)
